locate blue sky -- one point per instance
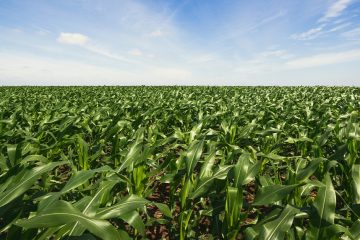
(173, 42)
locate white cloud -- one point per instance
(353, 34)
(267, 20)
(85, 43)
(267, 61)
(318, 31)
(135, 52)
(275, 53)
(254, 25)
(165, 23)
(325, 59)
(341, 20)
(73, 39)
(106, 53)
(335, 10)
(41, 31)
(308, 35)
(339, 27)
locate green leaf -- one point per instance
(268, 131)
(133, 218)
(277, 228)
(127, 205)
(192, 156)
(355, 230)
(62, 213)
(245, 170)
(256, 229)
(12, 153)
(323, 213)
(355, 173)
(266, 181)
(64, 230)
(82, 149)
(186, 188)
(27, 180)
(164, 209)
(3, 165)
(34, 158)
(335, 231)
(77, 179)
(273, 193)
(134, 152)
(250, 233)
(233, 205)
(81, 177)
(206, 168)
(92, 206)
(272, 156)
(195, 131)
(205, 184)
(306, 172)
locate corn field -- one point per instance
(179, 163)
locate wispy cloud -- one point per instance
(340, 27)
(335, 10)
(324, 59)
(270, 60)
(316, 32)
(267, 20)
(353, 34)
(73, 39)
(283, 54)
(84, 42)
(159, 32)
(106, 53)
(41, 30)
(308, 35)
(267, 65)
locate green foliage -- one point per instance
(179, 163)
(64, 213)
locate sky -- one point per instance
(180, 42)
